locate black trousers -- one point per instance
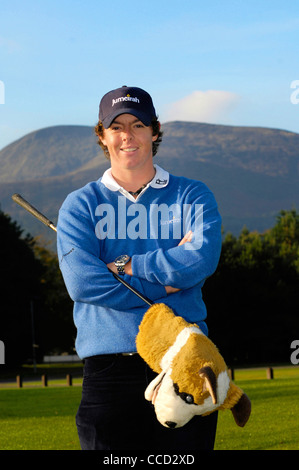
(114, 415)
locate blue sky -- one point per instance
(225, 62)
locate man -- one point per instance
(163, 235)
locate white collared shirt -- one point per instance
(159, 181)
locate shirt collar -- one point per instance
(160, 180)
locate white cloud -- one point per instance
(210, 106)
(9, 45)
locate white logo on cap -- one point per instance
(125, 98)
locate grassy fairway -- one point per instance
(39, 418)
(34, 418)
(273, 424)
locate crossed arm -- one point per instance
(128, 266)
(155, 273)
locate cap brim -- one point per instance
(144, 118)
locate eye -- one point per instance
(189, 399)
(184, 396)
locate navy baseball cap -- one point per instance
(127, 100)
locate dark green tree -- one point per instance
(252, 298)
(36, 311)
(20, 273)
(54, 319)
(284, 238)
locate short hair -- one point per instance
(155, 125)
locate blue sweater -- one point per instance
(101, 221)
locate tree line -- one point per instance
(252, 298)
(36, 311)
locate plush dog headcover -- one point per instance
(193, 377)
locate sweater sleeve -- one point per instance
(86, 277)
(190, 264)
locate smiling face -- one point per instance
(129, 143)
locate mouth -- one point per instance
(156, 389)
(129, 149)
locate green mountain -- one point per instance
(252, 171)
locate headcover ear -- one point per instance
(241, 411)
(153, 387)
(210, 382)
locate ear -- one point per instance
(155, 137)
(241, 411)
(103, 140)
(210, 382)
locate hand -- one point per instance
(187, 238)
(171, 290)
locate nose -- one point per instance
(126, 135)
(170, 424)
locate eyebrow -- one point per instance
(118, 122)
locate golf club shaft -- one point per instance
(26, 205)
(33, 211)
(136, 292)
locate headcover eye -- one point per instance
(184, 396)
(189, 399)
